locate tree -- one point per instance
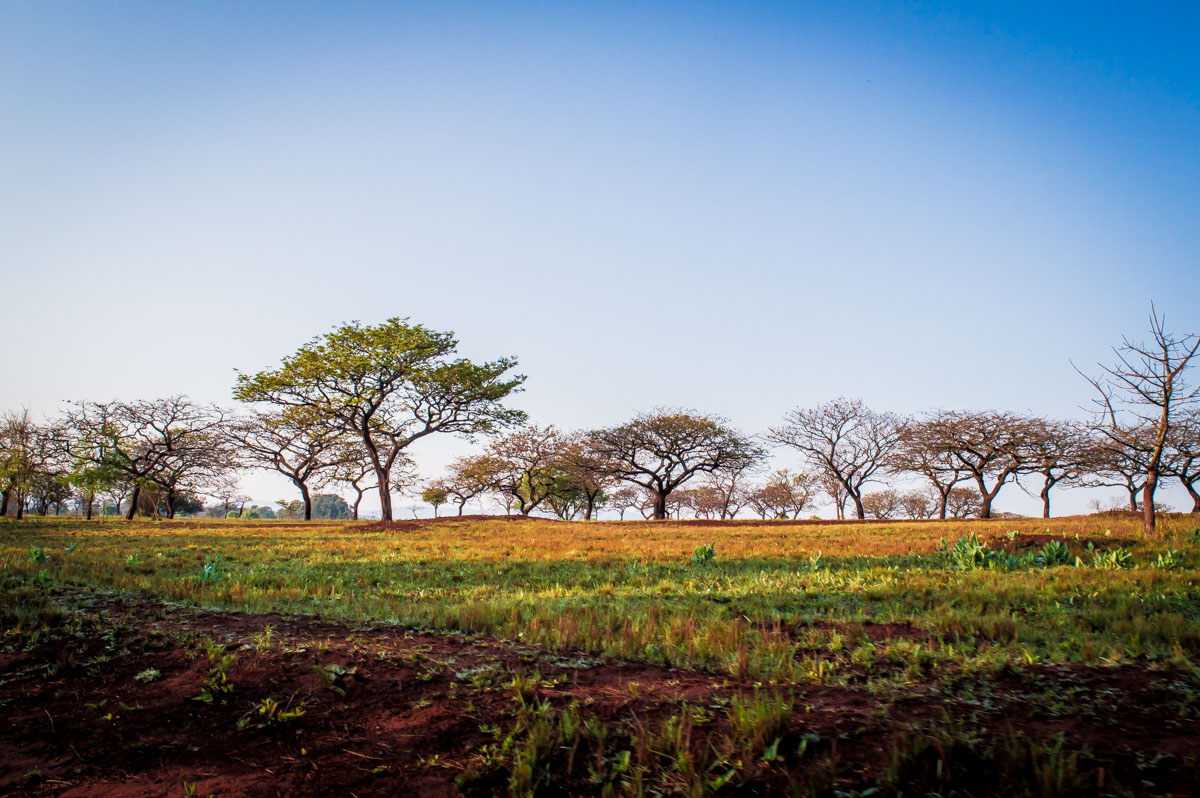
(1141, 396)
(922, 504)
(435, 496)
(19, 460)
(627, 497)
(169, 444)
(990, 446)
(783, 493)
(883, 504)
(1062, 453)
(844, 439)
(294, 441)
(525, 466)
(389, 385)
(1121, 466)
(663, 449)
(586, 473)
(921, 451)
(1185, 455)
(467, 478)
(963, 503)
(330, 506)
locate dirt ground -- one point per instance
(109, 711)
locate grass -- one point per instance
(773, 602)
(931, 611)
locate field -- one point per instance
(514, 657)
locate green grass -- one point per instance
(766, 605)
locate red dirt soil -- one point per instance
(78, 722)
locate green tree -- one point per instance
(435, 496)
(389, 385)
(327, 505)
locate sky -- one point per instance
(737, 208)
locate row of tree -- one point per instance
(345, 408)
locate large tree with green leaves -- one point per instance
(389, 385)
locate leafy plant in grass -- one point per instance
(38, 555)
(705, 555)
(209, 572)
(968, 553)
(1170, 560)
(1112, 559)
(1054, 553)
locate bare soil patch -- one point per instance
(416, 708)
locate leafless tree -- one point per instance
(963, 503)
(296, 443)
(1185, 454)
(784, 494)
(835, 489)
(1062, 453)
(1142, 395)
(990, 446)
(844, 439)
(922, 504)
(171, 444)
(627, 497)
(663, 449)
(922, 451)
(883, 504)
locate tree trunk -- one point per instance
(1148, 503)
(306, 498)
(170, 503)
(461, 505)
(1133, 505)
(660, 506)
(133, 502)
(4, 501)
(358, 501)
(91, 498)
(945, 499)
(858, 506)
(1046, 498)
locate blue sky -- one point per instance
(736, 208)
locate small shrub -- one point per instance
(705, 555)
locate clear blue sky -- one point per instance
(732, 207)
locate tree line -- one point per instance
(343, 411)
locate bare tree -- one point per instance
(844, 439)
(1141, 395)
(296, 443)
(990, 446)
(170, 444)
(963, 503)
(922, 451)
(835, 489)
(663, 449)
(1185, 454)
(883, 504)
(784, 494)
(922, 504)
(627, 497)
(1062, 453)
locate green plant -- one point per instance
(38, 554)
(209, 572)
(968, 553)
(1112, 559)
(1170, 560)
(705, 555)
(1054, 553)
(335, 676)
(217, 688)
(269, 713)
(148, 675)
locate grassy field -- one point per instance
(936, 612)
